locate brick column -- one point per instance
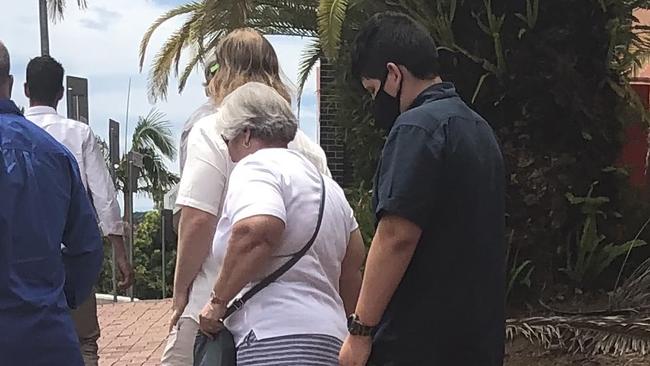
(330, 133)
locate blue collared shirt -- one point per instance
(43, 204)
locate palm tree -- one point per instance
(209, 20)
(153, 139)
(56, 9)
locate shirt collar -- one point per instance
(435, 92)
(7, 106)
(41, 109)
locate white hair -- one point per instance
(260, 109)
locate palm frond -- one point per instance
(56, 8)
(613, 335)
(183, 9)
(209, 20)
(154, 132)
(310, 57)
(635, 291)
(331, 15)
(155, 179)
(165, 59)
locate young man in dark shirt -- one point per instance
(433, 291)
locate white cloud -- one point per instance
(101, 44)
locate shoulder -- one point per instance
(311, 150)
(16, 132)
(303, 143)
(201, 120)
(434, 113)
(205, 129)
(273, 164)
(206, 123)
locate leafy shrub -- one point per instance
(592, 256)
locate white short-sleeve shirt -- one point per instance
(203, 186)
(305, 300)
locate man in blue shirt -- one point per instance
(42, 205)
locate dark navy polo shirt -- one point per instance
(441, 168)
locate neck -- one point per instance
(417, 86)
(35, 103)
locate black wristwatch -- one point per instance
(357, 328)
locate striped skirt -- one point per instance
(302, 349)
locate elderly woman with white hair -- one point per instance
(279, 209)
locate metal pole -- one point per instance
(129, 196)
(45, 38)
(114, 156)
(76, 108)
(126, 128)
(163, 223)
(128, 204)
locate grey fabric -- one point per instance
(301, 349)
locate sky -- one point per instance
(101, 44)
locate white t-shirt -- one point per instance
(203, 186)
(304, 300)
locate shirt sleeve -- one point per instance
(352, 221)
(83, 252)
(101, 187)
(409, 175)
(205, 174)
(255, 189)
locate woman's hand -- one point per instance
(210, 319)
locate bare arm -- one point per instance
(250, 247)
(390, 254)
(350, 281)
(196, 231)
(122, 262)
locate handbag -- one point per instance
(221, 351)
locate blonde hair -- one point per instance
(244, 56)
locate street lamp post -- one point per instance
(45, 38)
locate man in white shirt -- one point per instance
(200, 196)
(44, 88)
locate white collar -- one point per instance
(40, 109)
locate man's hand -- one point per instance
(126, 272)
(123, 266)
(355, 351)
(179, 302)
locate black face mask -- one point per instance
(386, 108)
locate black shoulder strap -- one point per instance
(237, 304)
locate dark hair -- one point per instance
(44, 79)
(4, 62)
(397, 38)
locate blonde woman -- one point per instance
(279, 209)
(242, 56)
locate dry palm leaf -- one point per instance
(613, 335)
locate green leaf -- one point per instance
(331, 15)
(310, 56)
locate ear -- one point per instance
(59, 95)
(26, 89)
(394, 73)
(247, 138)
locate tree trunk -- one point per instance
(45, 41)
